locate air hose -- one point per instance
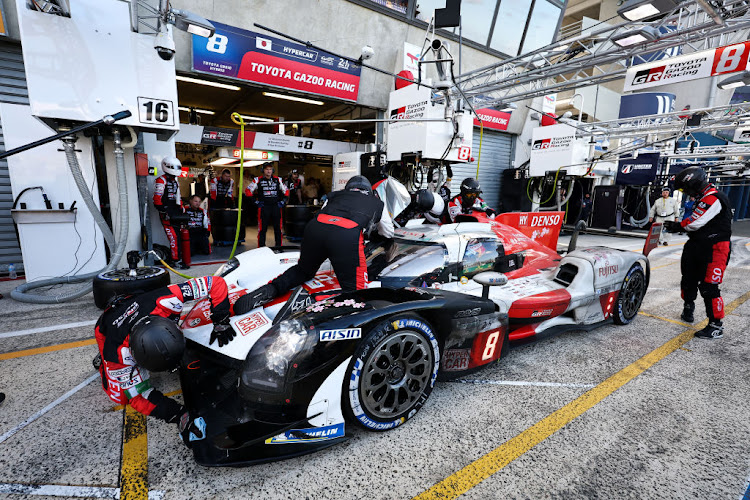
(20, 293)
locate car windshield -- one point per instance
(405, 262)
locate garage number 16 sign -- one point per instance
(259, 58)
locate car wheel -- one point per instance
(120, 282)
(631, 295)
(391, 374)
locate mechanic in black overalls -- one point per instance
(222, 191)
(336, 234)
(294, 184)
(270, 196)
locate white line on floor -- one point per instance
(55, 490)
(47, 408)
(43, 329)
(521, 382)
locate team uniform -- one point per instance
(270, 195)
(664, 209)
(221, 193)
(455, 207)
(168, 202)
(199, 227)
(123, 380)
(295, 191)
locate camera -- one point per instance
(367, 52)
(164, 45)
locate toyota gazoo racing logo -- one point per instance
(675, 70)
(542, 144)
(648, 75)
(555, 143)
(410, 111)
(626, 169)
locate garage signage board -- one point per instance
(493, 119)
(637, 171)
(702, 64)
(556, 146)
(259, 58)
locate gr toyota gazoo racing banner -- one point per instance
(712, 62)
(254, 57)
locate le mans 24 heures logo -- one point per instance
(553, 143)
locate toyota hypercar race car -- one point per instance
(442, 300)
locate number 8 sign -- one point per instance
(730, 58)
(464, 152)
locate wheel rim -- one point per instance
(632, 295)
(396, 374)
(124, 274)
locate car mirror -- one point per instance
(488, 279)
(508, 263)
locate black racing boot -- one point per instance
(254, 299)
(714, 330)
(687, 312)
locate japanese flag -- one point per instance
(262, 43)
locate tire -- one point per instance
(119, 282)
(226, 233)
(631, 295)
(391, 374)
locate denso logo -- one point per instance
(545, 220)
(648, 75)
(542, 144)
(343, 334)
(605, 271)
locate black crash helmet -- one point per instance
(425, 200)
(157, 344)
(359, 183)
(692, 181)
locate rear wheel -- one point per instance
(391, 374)
(120, 282)
(631, 295)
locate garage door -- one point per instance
(496, 156)
(13, 90)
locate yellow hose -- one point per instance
(178, 273)
(237, 118)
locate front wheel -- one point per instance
(631, 295)
(392, 373)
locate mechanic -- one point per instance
(337, 234)
(664, 209)
(199, 227)
(294, 183)
(222, 191)
(688, 207)
(138, 335)
(468, 200)
(168, 202)
(270, 198)
(706, 253)
(586, 205)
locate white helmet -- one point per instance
(172, 166)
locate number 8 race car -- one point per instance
(443, 301)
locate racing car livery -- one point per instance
(443, 300)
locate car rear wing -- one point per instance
(652, 239)
(542, 227)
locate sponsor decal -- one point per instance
(309, 435)
(493, 119)
(464, 280)
(252, 322)
(468, 312)
(420, 291)
(456, 360)
(607, 270)
(410, 111)
(545, 220)
(340, 334)
(194, 322)
(127, 314)
(219, 137)
(626, 169)
(288, 261)
(333, 303)
(553, 143)
(543, 312)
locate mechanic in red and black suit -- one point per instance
(221, 191)
(336, 234)
(468, 201)
(199, 227)
(706, 253)
(139, 334)
(294, 185)
(168, 202)
(270, 196)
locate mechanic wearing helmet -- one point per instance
(468, 200)
(138, 335)
(664, 209)
(168, 202)
(270, 196)
(222, 191)
(336, 234)
(706, 253)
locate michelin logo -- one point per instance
(343, 334)
(307, 435)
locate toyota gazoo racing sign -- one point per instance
(703, 64)
(555, 146)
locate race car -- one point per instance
(443, 300)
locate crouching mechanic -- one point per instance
(336, 234)
(138, 335)
(706, 253)
(468, 201)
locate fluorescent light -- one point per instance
(293, 98)
(340, 130)
(206, 82)
(223, 161)
(257, 118)
(734, 81)
(199, 30)
(641, 12)
(639, 35)
(635, 10)
(197, 110)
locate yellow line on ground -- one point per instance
(42, 350)
(168, 394)
(668, 320)
(134, 465)
(470, 476)
(665, 265)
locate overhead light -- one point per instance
(192, 23)
(636, 36)
(357, 131)
(197, 110)
(340, 130)
(635, 10)
(257, 118)
(734, 81)
(223, 161)
(293, 98)
(206, 82)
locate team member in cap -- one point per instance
(337, 233)
(664, 209)
(294, 184)
(138, 335)
(199, 227)
(168, 202)
(270, 196)
(222, 191)
(468, 200)
(706, 253)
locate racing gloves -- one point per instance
(191, 429)
(223, 334)
(672, 226)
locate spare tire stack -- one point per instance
(224, 226)
(296, 218)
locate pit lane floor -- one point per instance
(640, 411)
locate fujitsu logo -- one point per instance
(607, 270)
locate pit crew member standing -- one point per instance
(168, 202)
(468, 200)
(706, 253)
(664, 209)
(294, 183)
(336, 234)
(137, 335)
(199, 227)
(222, 191)
(270, 196)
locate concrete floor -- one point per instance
(577, 415)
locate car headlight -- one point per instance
(228, 267)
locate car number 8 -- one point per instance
(489, 348)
